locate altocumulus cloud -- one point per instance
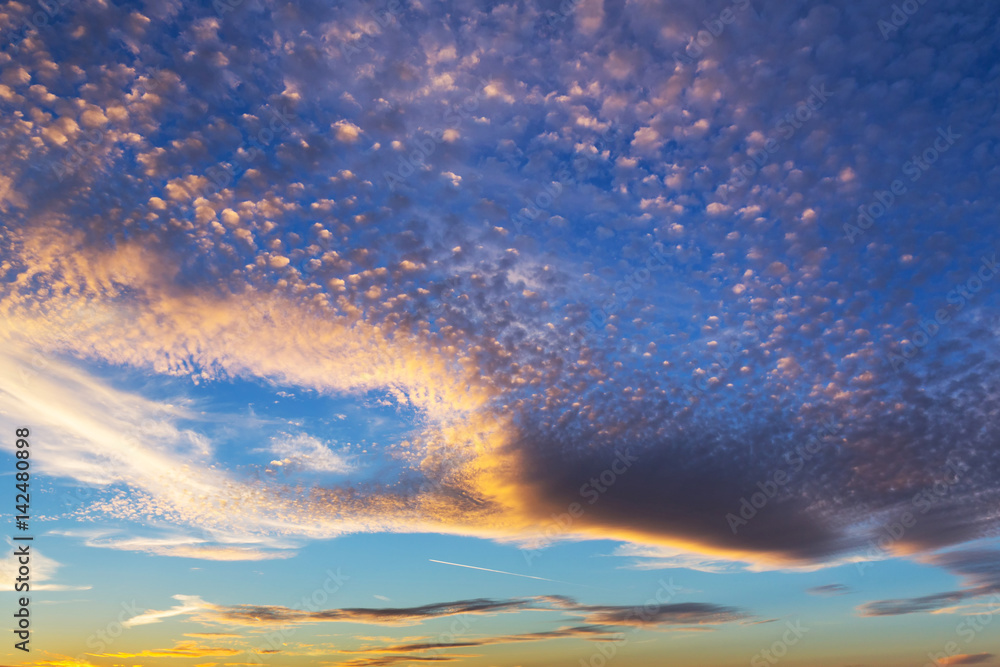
(305, 271)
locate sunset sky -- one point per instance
(563, 333)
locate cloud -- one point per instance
(212, 547)
(659, 557)
(208, 222)
(594, 633)
(384, 660)
(829, 589)
(658, 615)
(43, 570)
(309, 453)
(346, 131)
(688, 613)
(979, 569)
(180, 650)
(189, 604)
(912, 605)
(967, 659)
(267, 615)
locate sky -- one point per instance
(502, 334)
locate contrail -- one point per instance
(486, 569)
(513, 574)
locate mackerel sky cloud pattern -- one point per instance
(275, 273)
